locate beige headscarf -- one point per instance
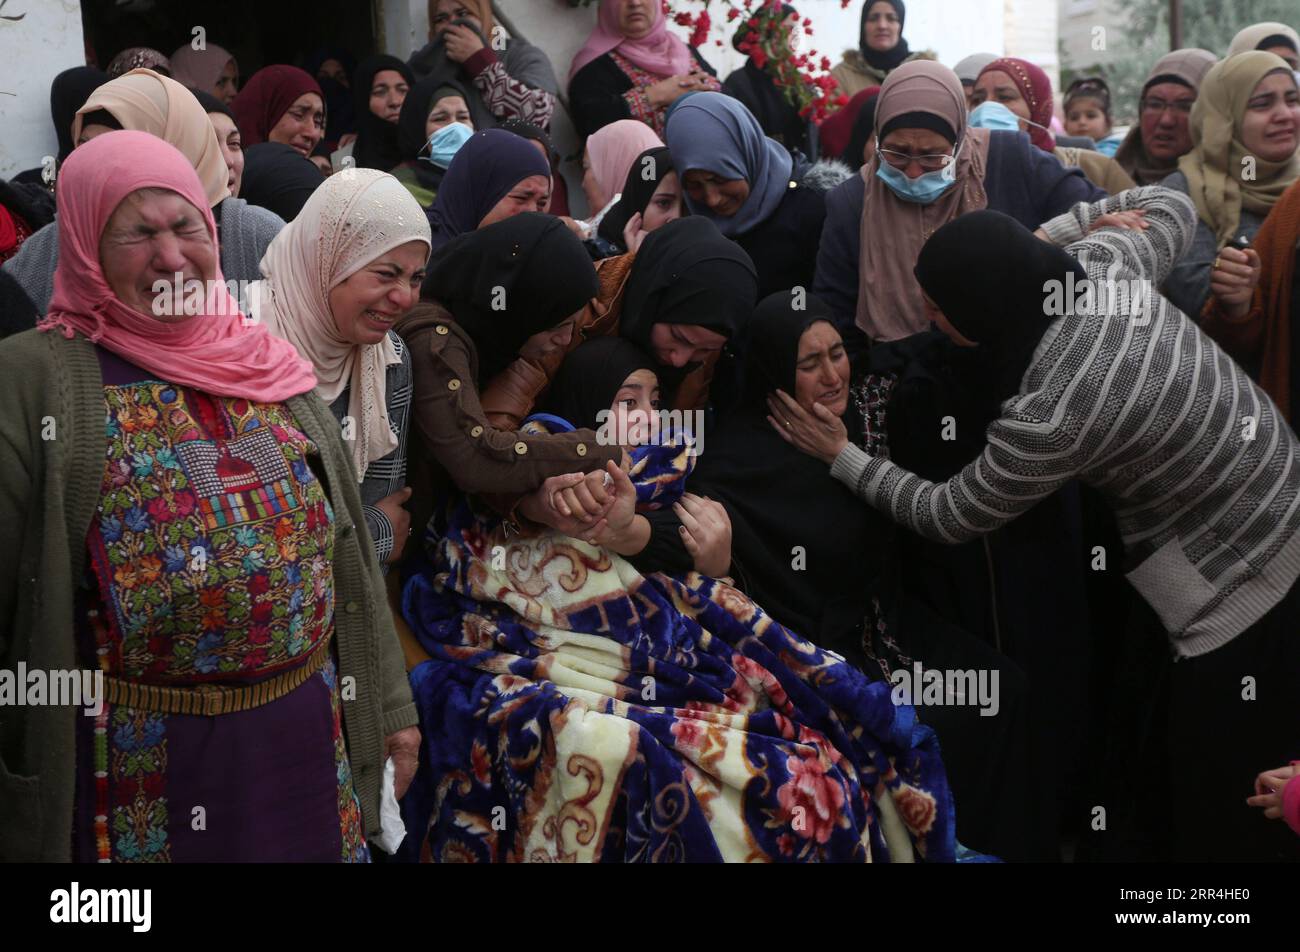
(1187, 66)
(1250, 38)
(1216, 164)
(893, 231)
(144, 101)
(349, 221)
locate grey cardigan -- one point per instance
(1202, 471)
(245, 232)
(49, 488)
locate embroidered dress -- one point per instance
(638, 101)
(210, 563)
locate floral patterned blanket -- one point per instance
(577, 711)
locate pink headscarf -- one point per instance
(613, 148)
(659, 51)
(216, 352)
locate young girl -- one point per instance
(1087, 113)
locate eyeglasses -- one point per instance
(1181, 106)
(901, 160)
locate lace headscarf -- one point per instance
(349, 221)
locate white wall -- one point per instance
(33, 51)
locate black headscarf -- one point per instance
(211, 103)
(278, 177)
(687, 272)
(531, 266)
(637, 192)
(964, 269)
(411, 139)
(68, 93)
(591, 376)
(884, 59)
(376, 146)
(779, 498)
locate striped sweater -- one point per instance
(1195, 459)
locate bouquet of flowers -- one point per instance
(772, 41)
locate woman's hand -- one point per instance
(404, 748)
(1134, 219)
(462, 43)
(706, 533)
(1268, 790)
(1234, 279)
(398, 518)
(577, 227)
(633, 234)
(668, 91)
(820, 434)
(562, 504)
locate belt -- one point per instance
(209, 700)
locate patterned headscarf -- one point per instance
(1036, 89)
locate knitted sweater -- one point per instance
(245, 232)
(1195, 459)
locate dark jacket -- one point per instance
(1020, 180)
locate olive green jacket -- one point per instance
(51, 468)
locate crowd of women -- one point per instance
(606, 535)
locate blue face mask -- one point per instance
(994, 115)
(446, 142)
(923, 189)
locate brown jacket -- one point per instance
(1101, 170)
(451, 436)
(513, 393)
(1261, 341)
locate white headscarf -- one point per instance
(349, 221)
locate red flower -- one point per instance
(259, 634)
(262, 612)
(690, 733)
(810, 800)
(259, 584)
(917, 809)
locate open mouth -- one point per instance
(831, 396)
(381, 321)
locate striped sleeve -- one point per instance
(1116, 254)
(1008, 479)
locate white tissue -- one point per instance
(391, 828)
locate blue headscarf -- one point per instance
(486, 168)
(716, 133)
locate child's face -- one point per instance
(635, 412)
(1085, 118)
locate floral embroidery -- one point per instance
(212, 549)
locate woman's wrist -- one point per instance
(631, 539)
